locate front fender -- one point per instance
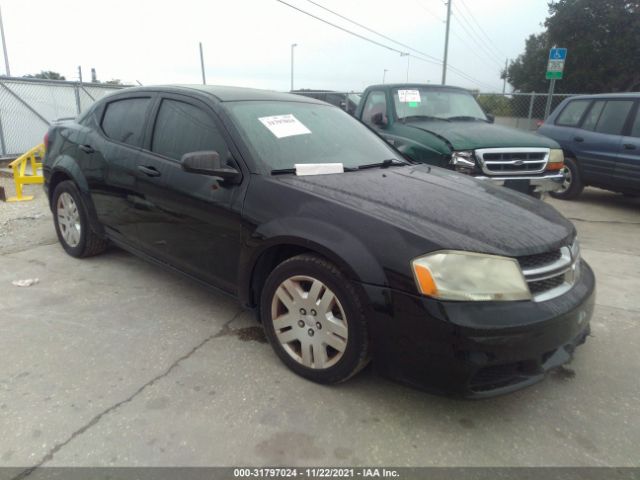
(335, 244)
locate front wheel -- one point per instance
(572, 185)
(314, 319)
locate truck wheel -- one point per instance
(72, 222)
(572, 185)
(314, 319)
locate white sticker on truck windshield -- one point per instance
(284, 125)
(409, 96)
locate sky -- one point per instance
(248, 42)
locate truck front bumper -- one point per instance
(550, 182)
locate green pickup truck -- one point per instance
(445, 126)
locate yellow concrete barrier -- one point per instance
(20, 177)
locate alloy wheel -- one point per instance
(566, 183)
(309, 322)
(68, 219)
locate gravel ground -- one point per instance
(24, 224)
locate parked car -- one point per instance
(447, 282)
(445, 126)
(600, 136)
(346, 101)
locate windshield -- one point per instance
(281, 134)
(443, 104)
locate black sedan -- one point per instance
(346, 251)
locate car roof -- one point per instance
(425, 86)
(607, 95)
(225, 93)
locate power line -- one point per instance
(482, 30)
(429, 59)
(479, 41)
(374, 31)
(429, 11)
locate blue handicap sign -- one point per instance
(558, 54)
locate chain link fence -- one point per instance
(28, 106)
(524, 111)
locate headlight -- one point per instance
(463, 161)
(556, 159)
(452, 275)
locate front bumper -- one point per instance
(550, 182)
(476, 349)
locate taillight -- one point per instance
(46, 141)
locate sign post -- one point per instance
(555, 69)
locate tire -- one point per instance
(71, 220)
(322, 339)
(572, 186)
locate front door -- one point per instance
(191, 221)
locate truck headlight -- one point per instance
(556, 159)
(455, 275)
(463, 161)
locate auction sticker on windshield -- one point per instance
(409, 96)
(284, 125)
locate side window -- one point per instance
(635, 128)
(376, 103)
(182, 128)
(594, 114)
(613, 117)
(572, 113)
(123, 120)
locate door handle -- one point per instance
(629, 146)
(149, 171)
(578, 139)
(86, 148)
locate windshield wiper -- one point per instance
(384, 164)
(423, 117)
(284, 171)
(465, 117)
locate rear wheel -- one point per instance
(572, 185)
(314, 320)
(71, 220)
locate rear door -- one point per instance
(627, 174)
(598, 144)
(110, 170)
(191, 221)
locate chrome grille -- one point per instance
(512, 161)
(551, 274)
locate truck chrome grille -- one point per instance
(551, 274)
(512, 161)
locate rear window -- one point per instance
(572, 113)
(613, 117)
(123, 120)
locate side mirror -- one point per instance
(491, 117)
(209, 163)
(379, 119)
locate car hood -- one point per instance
(469, 135)
(445, 209)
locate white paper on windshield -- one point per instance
(318, 168)
(409, 96)
(284, 125)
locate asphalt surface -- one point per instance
(110, 361)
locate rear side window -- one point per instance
(594, 115)
(376, 103)
(123, 120)
(635, 128)
(572, 113)
(613, 117)
(182, 128)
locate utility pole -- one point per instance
(4, 47)
(504, 83)
(293, 45)
(384, 74)
(94, 76)
(408, 57)
(446, 44)
(204, 78)
(80, 73)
